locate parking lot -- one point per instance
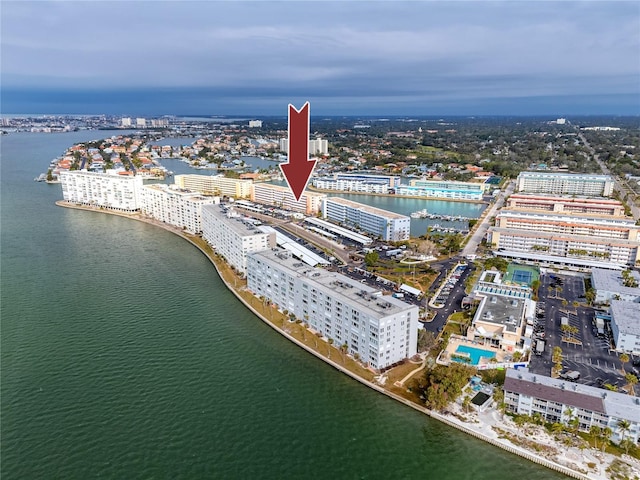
(587, 352)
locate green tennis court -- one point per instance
(521, 274)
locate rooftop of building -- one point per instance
(219, 178)
(625, 316)
(611, 281)
(504, 310)
(281, 188)
(240, 224)
(568, 217)
(539, 257)
(565, 199)
(575, 176)
(340, 287)
(368, 209)
(614, 404)
(175, 190)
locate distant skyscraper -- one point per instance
(255, 123)
(125, 122)
(141, 122)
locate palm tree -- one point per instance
(623, 427)
(517, 356)
(606, 436)
(624, 358)
(330, 343)
(595, 432)
(343, 350)
(632, 380)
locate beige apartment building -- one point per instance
(569, 205)
(310, 203)
(215, 185)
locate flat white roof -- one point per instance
(562, 260)
(297, 250)
(366, 208)
(611, 281)
(625, 316)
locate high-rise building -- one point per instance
(443, 189)
(255, 123)
(141, 122)
(565, 183)
(106, 190)
(380, 330)
(175, 206)
(233, 236)
(125, 122)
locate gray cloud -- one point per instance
(380, 50)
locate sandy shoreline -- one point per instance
(482, 428)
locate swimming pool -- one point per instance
(474, 354)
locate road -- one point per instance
(481, 230)
(619, 187)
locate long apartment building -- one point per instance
(565, 183)
(380, 329)
(529, 234)
(233, 236)
(176, 206)
(560, 401)
(573, 205)
(625, 326)
(442, 189)
(310, 203)
(107, 190)
(348, 182)
(215, 185)
(389, 226)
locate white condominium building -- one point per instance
(381, 330)
(389, 226)
(215, 185)
(565, 183)
(106, 190)
(625, 326)
(610, 285)
(233, 236)
(575, 205)
(357, 183)
(560, 401)
(178, 207)
(442, 189)
(310, 203)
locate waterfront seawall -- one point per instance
(451, 421)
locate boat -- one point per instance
(41, 178)
(420, 214)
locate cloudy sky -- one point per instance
(346, 58)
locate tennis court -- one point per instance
(521, 274)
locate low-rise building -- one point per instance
(357, 183)
(610, 285)
(389, 226)
(560, 401)
(106, 190)
(625, 326)
(233, 236)
(175, 206)
(380, 330)
(443, 189)
(215, 185)
(310, 203)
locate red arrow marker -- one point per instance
(298, 168)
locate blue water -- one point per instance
(475, 353)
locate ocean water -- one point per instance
(123, 356)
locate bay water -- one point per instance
(124, 356)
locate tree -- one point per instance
(606, 436)
(632, 380)
(595, 432)
(517, 356)
(344, 348)
(330, 341)
(466, 403)
(623, 426)
(371, 258)
(624, 358)
(426, 340)
(49, 175)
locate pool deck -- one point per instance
(455, 341)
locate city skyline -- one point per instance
(356, 58)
